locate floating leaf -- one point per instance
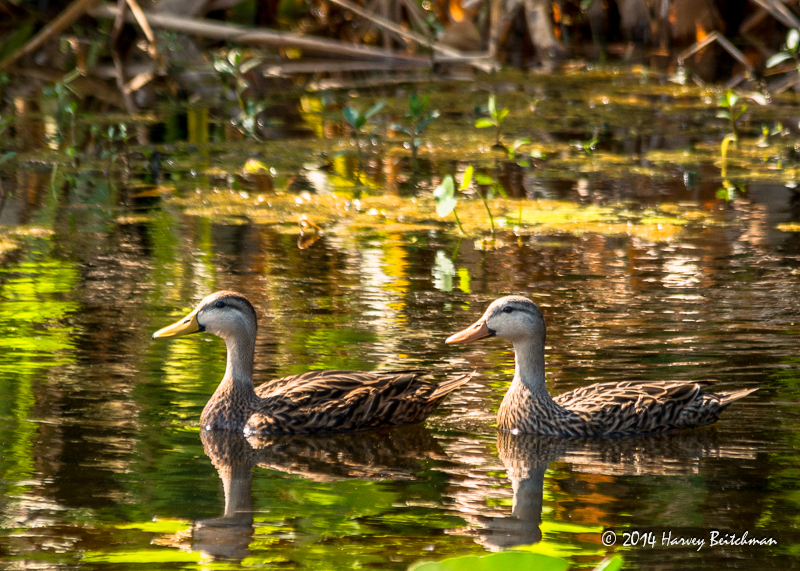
(495, 562)
(467, 180)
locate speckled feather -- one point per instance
(615, 409)
(344, 401)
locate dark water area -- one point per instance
(104, 465)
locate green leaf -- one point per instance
(374, 109)
(496, 562)
(445, 197)
(484, 122)
(502, 114)
(519, 142)
(426, 122)
(732, 98)
(446, 188)
(352, 116)
(401, 128)
(445, 206)
(492, 106)
(223, 66)
(484, 179)
(792, 39)
(610, 564)
(467, 180)
(778, 58)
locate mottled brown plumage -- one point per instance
(604, 409)
(317, 401)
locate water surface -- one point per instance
(104, 466)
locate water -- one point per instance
(104, 466)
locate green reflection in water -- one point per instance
(34, 339)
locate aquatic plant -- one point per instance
(495, 119)
(233, 66)
(66, 109)
(445, 195)
(731, 111)
(114, 145)
(588, 146)
(791, 51)
(518, 558)
(417, 117)
(359, 121)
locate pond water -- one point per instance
(641, 272)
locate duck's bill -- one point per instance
(477, 330)
(185, 326)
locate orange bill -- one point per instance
(477, 330)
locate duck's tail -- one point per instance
(445, 388)
(725, 399)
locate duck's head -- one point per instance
(514, 317)
(224, 314)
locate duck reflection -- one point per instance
(526, 458)
(394, 454)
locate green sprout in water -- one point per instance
(588, 146)
(791, 51)
(730, 111)
(495, 119)
(417, 117)
(359, 121)
(234, 66)
(445, 195)
(66, 107)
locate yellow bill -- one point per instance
(185, 326)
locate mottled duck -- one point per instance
(316, 401)
(623, 408)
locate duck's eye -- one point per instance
(508, 309)
(219, 303)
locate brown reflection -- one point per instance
(394, 454)
(526, 458)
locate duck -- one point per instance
(311, 402)
(624, 408)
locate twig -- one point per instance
(130, 106)
(258, 36)
(62, 22)
(408, 35)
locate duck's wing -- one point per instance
(339, 401)
(640, 407)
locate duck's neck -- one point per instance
(527, 406)
(241, 354)
(529, 369)
(235, 398)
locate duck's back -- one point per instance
(343, 401)
(646, 407)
